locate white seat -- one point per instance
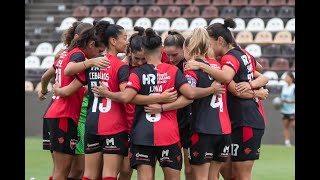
(273, 83)
(271, 75)
(290, 26)
(28, 86)
(66, 23)
(58, 48)
(254, 50)
(43, 49)
(47, 62)
(255, 24)
(180, 24)
(32, 62)
(241, 25)
(284, 75)
(126, 23)
(108, 19)
(198, 23)
(275, 24)
(88, 20)
(143, 22)
(161, 24)
(282, 82)
(217, 20)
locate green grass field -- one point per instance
(276, 162)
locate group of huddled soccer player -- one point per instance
(191, 100)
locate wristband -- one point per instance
(251, 85)
(84, 65)
(161, 108)
(44, 93)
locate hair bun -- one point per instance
(150, 32)
(139, 29)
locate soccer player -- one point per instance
(154, 135)
(288, 107)
(63, 113)
(70, 34)
(173, 45)
(248, 122)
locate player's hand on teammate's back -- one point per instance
(218, 88)
(101, 62)
(152, 108)
(101, 90)
(192, 65)
(169, 95)
(242, 87)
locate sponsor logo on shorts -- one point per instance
(142, 157)
(195, 154)
(165, 156)
(247, 150)
(92, 145)
(225, 151)
(73, 143)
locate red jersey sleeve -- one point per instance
(230, 61)
(134, 82)
(191, 77)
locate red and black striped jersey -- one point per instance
(242, 112)
(159, 129)
(69, 106)
(104, 116)
(210, 113)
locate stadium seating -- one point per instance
(180, 24)
(254, 50)
(135, 12)
(143, 22)
(283, 37)
(266, 12)
(239, 2)
(201, 2)
(165, 2)
(229, 12)
(247, 12)
(291, 2)
(81, 11)
(257, 2)
(110, 2)
(265, 63)
(58, 48)
(255, 25)
(183, 2)
(66, 23)
(146, 2)
(32, 62)
(173, 12)
(273, 78)
(87, 20)
(217, 20)
(126, 23)
(108, 19)
(288, 51)
(290, 25)
(28, 86)
(191, 12)
(47, 62)
(91, 2)
(161, 24)
(244, 37)
(280, 64)
(99, 12)
(198, 22)
(271, 51)
(286, 12)
(220, 2)
(154, 12)
(240, 25)
(117, 12)
(275, 24)
(277, 2)
(43, 49)
(210, 12)
(263, 37)
(292, 68)
(129, 2)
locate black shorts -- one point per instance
(45, 135)
(209, 147)
(289, 117)
(168, 156)
(108, 144)
(246, 143)
(63, 135)
(185, 136)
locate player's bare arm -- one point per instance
(73, 68)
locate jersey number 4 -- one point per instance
(215, 104)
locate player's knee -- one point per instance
(126, 171)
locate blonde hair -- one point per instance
(210, 53)
(198, 43)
